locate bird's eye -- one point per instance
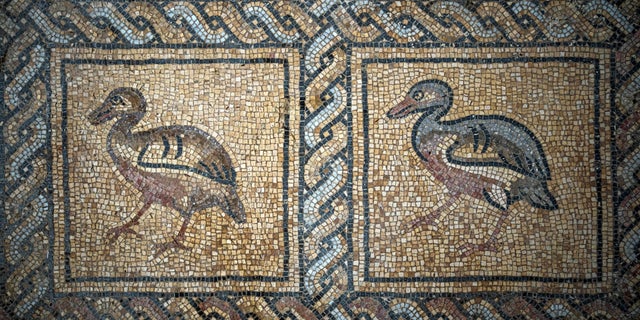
(418, 95)
(116, 100)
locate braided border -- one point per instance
(326, 29)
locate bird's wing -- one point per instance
(187, 149)
(498, 141)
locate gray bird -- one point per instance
(507, 163)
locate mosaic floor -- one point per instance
(320, 160)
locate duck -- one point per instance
(179, 167)
(491, 158)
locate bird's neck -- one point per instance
(427, 124)
(436, 112)
(120, 133)
(127, 121)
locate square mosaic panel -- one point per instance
(555, 96)
(320, 160)
(90, 257)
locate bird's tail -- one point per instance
(232, 205)
(539, 196)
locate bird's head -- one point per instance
(431, 96)
(120, 102)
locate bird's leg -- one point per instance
(489, 245)
(176, 243)
(430, 218)
(116, 232)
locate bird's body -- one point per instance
(169, 166)
(491, 158)
(179, 167)
(459, 179)
(487, 157)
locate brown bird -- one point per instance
(179, 167)
(507, 163)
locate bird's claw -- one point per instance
(469, 249)
(161, 248)
(114, 233)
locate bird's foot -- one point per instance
(161, 248)
(114, 233)
(469, 249)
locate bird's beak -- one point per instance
(402, 109)
(101, 115)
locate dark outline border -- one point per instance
(597, 159)
(63, 113)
